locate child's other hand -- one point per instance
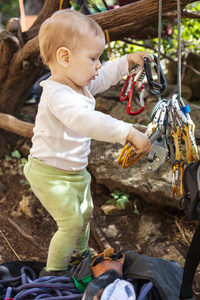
(139, 140)
(136, 58)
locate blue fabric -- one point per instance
(145, 291)
(118, 290)
(185, 109)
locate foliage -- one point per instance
(119, 199)
(9, 9)
(190, 41)
(20, 161)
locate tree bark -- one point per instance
(136, 13)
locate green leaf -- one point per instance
(122, 202)
(8, 158)
(111, 201)
(25, 182)
(23, 161)
(16, 154)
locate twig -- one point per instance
(98, 236)
(182, 233)
(10, 245)
(27, 236)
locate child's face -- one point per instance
(84, 62)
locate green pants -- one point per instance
(66, 196)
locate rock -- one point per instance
(186, 92)
(190, 78)
(111, 231)
(25, 148)
(149, 229)
(16, 212)
(26, 206)
(174, 254)
(167, 252)
(111, 209)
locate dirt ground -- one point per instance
(31, 239)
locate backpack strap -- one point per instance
(191, 264)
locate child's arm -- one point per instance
(139, 139)
(113, 72)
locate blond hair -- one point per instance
(65, 28)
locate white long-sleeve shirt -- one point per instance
(67, 121)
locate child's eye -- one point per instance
(93, 58)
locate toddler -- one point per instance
(71, 44)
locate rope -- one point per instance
(61, 3)
(22, 14)
(159, 36)
(108, 42)
(179, 47)
(26, 286)
(159, 39)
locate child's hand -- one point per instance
(136, 58)
(139, 140)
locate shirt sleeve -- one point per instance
(109, 75)
(79, 117)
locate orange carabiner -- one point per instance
(128, 156)
(178, 170)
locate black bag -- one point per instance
(190, 204)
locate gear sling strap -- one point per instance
(191, 264)
(190, 204)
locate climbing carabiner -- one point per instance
(178, 170)
(133, 80)
(142, 103)
(154, 87)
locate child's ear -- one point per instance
(62, 56)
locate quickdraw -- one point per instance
(170, 125)
(179, 126)
(154, 87)
(133, 80)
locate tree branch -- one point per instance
(12, 124)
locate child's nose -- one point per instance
(98, 66)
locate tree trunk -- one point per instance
(20, 63)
